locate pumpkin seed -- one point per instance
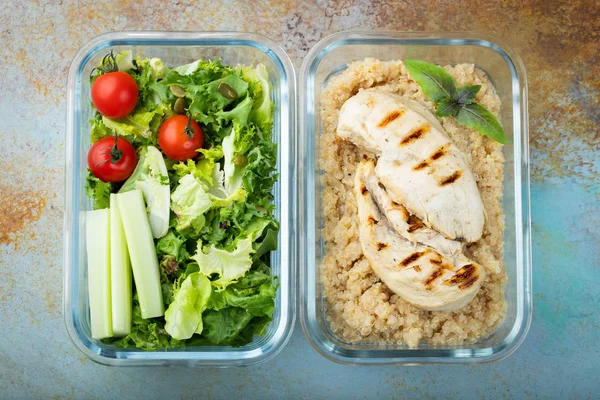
(227, 91)
(179, 106)
(178, 91)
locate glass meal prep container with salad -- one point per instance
(389, 274)
(180, 176)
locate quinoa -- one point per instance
(359, 307)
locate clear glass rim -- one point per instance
(513, 340)
(214, 38)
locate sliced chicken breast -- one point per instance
(419, 166)
(418, 274)
(407, 225)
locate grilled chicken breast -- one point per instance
(407, 225)
(419, 274)
(418, 164)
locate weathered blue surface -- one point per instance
(559, 359)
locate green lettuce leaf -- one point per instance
(204, 168)
(124, 60)
(262, 110)
(184, 315)
(229, 266)
(233, 172)
(97, 190)
(143, 124)
(239, 114)
(189, 202)
(268, 244)
(222, 327)
(172, 244)
(254, 293)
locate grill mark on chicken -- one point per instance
(449, 267)
(450, 179)
(439, 153)
(391, 117)
(372, 221)
(437, 261)
(363, 190)
(436, 274)
(381, 246)
(416, 134)
(420, 166)
(417, 268)
(412, 258)
(414, 223)
(465, 277)
(426, 163)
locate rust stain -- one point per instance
(17, 209)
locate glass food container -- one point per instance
(328, 59)
(177, 49)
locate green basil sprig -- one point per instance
(439, 86)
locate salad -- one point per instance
(180, 171)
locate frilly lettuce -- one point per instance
(124, 60)
(228, 265)
(203, 169)
(189, 202)
(262, 111)
(233, 172)
(184, 315)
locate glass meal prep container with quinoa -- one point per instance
(346, 312)
(176, 49)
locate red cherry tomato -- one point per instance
(179, 137)
(112, 159)
(114, 94)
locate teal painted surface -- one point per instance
(559, 359)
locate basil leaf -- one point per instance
(467, 93)
(481, 119)
(437, 84)
(446, 108)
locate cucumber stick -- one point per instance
(97, 232)
(120, 273)
(144, 261)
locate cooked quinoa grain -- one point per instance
(359, 306)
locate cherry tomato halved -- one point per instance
(179, 137)
(112, 159)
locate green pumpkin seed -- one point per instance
(227, 91)
(178, 91)
(179, 106)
